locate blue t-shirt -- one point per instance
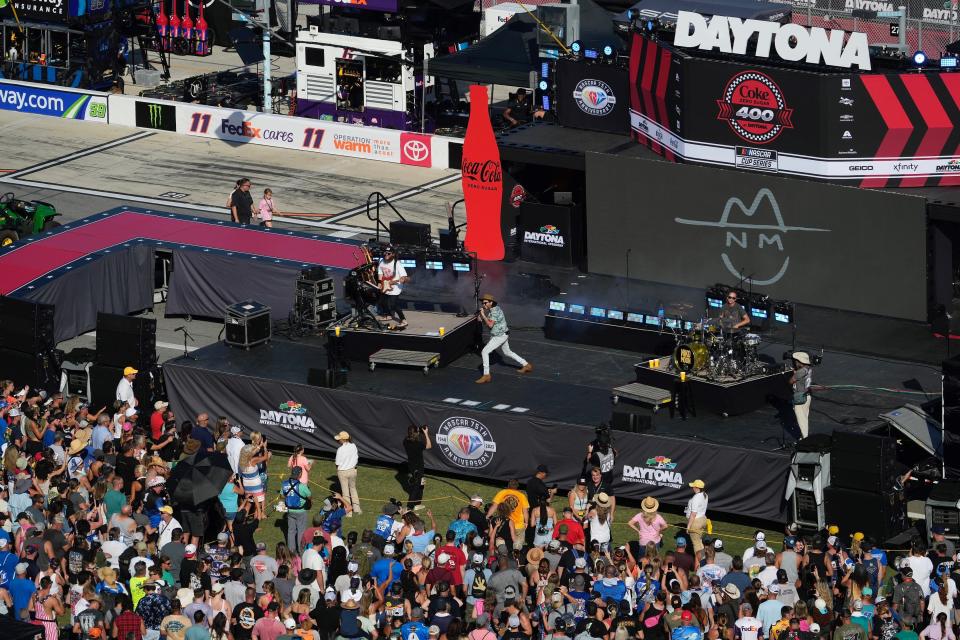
(203, 436)
(381, 570)
(464, 529)
(613, 592)
(197, 632)
(332, 522)
(421, 541)
(8, 565)
(20, 591)
(686, 633)
(414, 631)
(229, 498)
(383, 526)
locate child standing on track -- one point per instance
(267, 209)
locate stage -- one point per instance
(422, 333)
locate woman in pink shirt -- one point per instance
(649, 524)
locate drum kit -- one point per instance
(708, 351)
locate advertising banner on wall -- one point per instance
(818, 244)
(863, 129)
(479, 443)
(593, 96)
(53, 101)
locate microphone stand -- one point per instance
(186, 335)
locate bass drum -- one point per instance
(691, 357)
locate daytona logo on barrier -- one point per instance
(594, 97)
(548, 236)
(466, 442)
(754, 107)
(289, 415)
(658, 471)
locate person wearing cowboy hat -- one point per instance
(492, 316)
(800, 383)
(347, 459)
(648, 524)
(696, 512)
(391, 275)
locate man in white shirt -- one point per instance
(391, 275)
(696, 513)
(347, 459)
(167, 524)
(234, 445)
(125, 387)
(747, 627)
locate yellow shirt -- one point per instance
(136, 589)
(516, 516)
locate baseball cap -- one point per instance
(718, 544)
(434, 630)
(216, 587)
(761, 544)
(389, 549)
(129, 370)
(773, 588)
(166, 509)
(330, 595)
(261, 546)
(513, 622)
(542, 468)
(476, 498)
(190, 551)
(223, 536)
(580, 563)
(290, 623)
(509, 591)
(681, 541)
(821, 605)
(3, 543)
(234, 429)
(832, 541)
(814, 628)
(352, 566)
(477, 558)
(686, 616)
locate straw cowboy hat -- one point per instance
(649, 504)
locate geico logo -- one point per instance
(861, 167)
(247, 130)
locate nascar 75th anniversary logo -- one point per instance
(754, 107)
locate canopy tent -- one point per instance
(508, 56)
(597, 28)
(666, 10)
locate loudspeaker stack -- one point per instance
(27, 344)
(124, 341)
(861, 495)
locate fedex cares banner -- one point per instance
(387, 6)
(45, 100)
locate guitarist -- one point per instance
(391, 275)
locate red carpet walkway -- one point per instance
(34, 259)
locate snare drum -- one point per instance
(751, 340)
(691, 357)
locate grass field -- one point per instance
(446, 495)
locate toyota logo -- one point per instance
(416, 150)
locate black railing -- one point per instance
(374, 201)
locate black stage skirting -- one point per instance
(723, 398)
(601, 334)
(514, 424)
(421, 334)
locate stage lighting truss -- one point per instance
(431, 259)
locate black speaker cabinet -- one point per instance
(26, 326)
(39, 370)
(415, 234)
(126, 341)
(326, 378)
(861, 461)
(639, 421)
(247, 324)
(880, 515)
(448, 239)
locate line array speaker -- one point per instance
(103, 387)
(39, 370)
(862, 461)
(880, 515)
(126, 341)
(26, 326)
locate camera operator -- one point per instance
(602, 454)
(416, 442)
(537, 491)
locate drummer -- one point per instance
(733, 316)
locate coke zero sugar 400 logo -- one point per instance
(466, 442)
(754, 107)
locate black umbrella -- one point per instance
(198, 478)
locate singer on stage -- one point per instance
(391, 275)
(492, 316)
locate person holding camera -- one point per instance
(416, 442)
(800, 383)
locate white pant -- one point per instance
(498, 342)
(802, 411)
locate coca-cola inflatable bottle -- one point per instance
(482, 180)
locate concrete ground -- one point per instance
(84, 168)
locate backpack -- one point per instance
(478, 588)
(291, 495)
(911, 596)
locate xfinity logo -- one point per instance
(792, 42)
(906, 167)
(740, 234)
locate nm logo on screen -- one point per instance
(153, 115)
(749, 234)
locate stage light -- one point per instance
(919, 58)
(671, 323)
(653, 320)
(546, 103)
(434, 264)
(576, 47)
(557, 306)
(407, 263)
(760, 313)
(543, 85)
(783, 313)
(544, 70)
(635, 318)
(948, 62)
(577, 309)
(608, 51)
(714, 302)
(461, 266)
(591, 54)
(598, 312)
(613, 314)
(650, 26)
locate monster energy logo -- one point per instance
(156, 116)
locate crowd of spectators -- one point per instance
(92, 546)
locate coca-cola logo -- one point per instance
(487, 171)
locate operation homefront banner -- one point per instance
(480, 444)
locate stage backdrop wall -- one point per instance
(480, 444)
(119, 281)
(204, 284)
(808, 242)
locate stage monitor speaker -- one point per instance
(326, 378)
(415, 234)
(862, 461)
(879, 515)
(126, 341)
(26, 326)
(39, 370)
(809, 474)
(632, 421)
(448, 239)
(943, 508)
(806, 512)
(103, 387)
(247, 324)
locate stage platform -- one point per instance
(422, 333)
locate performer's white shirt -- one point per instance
(389, 271)
(125, 392)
